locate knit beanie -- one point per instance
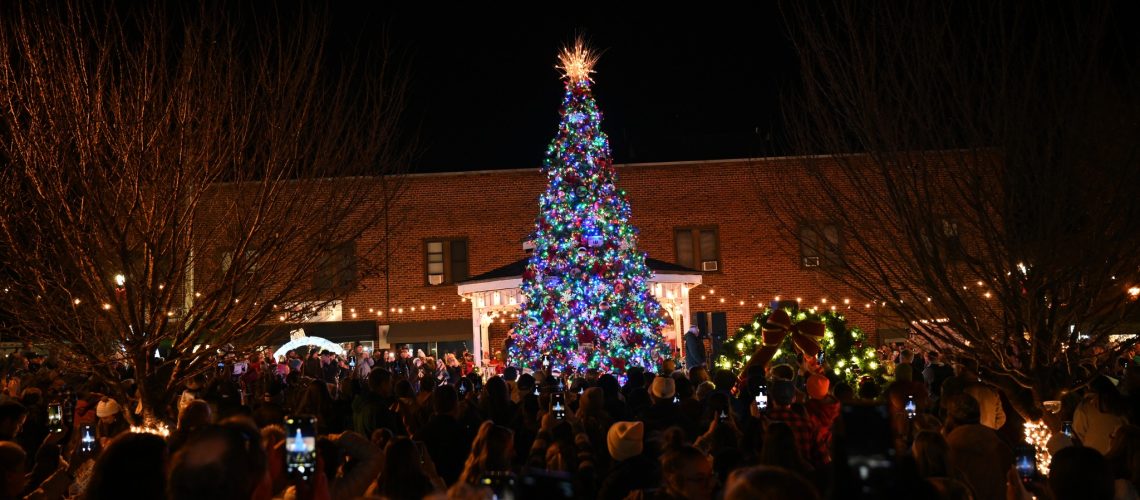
(663, 388)
(624, 439)
(817, 386)
(107, 407)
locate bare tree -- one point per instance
(175, 179)
(977, 176)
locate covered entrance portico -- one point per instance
(496, 294)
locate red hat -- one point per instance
(817, 386)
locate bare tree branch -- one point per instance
(981, 161)
(210, 161)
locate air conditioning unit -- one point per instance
(435, 279)
(811, 261)
(710, 265)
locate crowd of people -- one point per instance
(398, 424)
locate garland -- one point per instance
(844, 352)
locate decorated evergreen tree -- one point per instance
(843, 348)
(588, 302)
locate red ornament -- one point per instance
(586, 337)
(548, 314)
(528, 274)
(618, 363)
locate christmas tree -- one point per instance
(588, 303)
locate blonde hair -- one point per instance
(488, 452)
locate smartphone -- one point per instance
(87, 441)
(536, 391)
(581, 390)
(1067, 428)
(558, 405)
(911, 408)
(352, 361)
(676, 399)
(1026, 462)
(548, 485)
(762, 398)
(301, 446)
(723, 416)
(55, 416)
(501, 484)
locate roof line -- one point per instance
(620, 165)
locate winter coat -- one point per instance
(636, 473)
(448, 443)
(989, 402)
(983, 459)
(694, 350)
(1094, 426)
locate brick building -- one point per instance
(703, 215)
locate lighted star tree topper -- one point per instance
(588, 301)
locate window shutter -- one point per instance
(720, 325)
(347, 262)
(458, 260)
(684, 243)
(708, 245)
(809, 242)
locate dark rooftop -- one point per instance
(515, 269)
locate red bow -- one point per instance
(805, 335)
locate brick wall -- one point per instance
(494, 212)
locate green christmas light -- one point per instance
(842, 346)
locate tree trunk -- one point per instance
(154, 393)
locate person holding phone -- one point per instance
(367, 460)
(111, 421)
(723, 433)
(408, 472)
(492, 452)
(1075, 473)
(809, 437)
(223, 461)
(662, 413)
(447, 439)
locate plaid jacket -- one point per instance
(810, 438)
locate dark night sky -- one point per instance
(673, 84)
